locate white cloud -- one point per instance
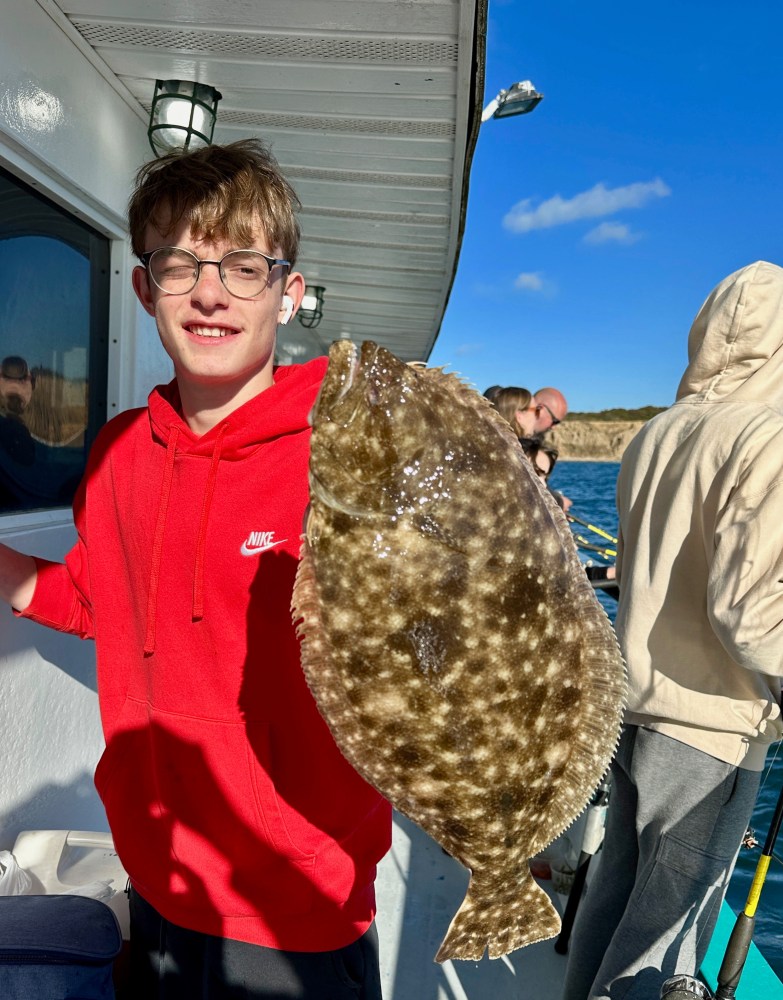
(599, 200)
(530, 281)
(612, 232)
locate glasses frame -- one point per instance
(555, 420)
(145, 259)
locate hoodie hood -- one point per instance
(735, 346)
(281, 409)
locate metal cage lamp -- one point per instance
(311, 309)
(182, 117)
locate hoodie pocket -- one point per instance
(287, 829)
(227, 833)
(189, 822)
(125, 781)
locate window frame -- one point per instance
(100, 253)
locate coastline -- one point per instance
(593, 440)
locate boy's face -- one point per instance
(222, 346)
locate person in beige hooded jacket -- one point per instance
(700, 623)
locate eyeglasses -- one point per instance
(245, 273)
(21, 379)
(554, 419)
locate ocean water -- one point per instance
(591, 486)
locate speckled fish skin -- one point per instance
(449, 634)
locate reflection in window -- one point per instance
(53, 336)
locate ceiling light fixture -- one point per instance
(182, 116)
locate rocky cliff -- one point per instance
(594, 440)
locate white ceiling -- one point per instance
(372, 109)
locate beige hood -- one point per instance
(735, 347)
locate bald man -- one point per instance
(552, 408)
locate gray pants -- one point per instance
(675, 822)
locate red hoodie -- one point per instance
(231, 807)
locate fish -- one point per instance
(449, 633)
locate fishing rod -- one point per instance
(583, 543)
(592, 838)
(685, 987)
(739, 942)
(592, 527)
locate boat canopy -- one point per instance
(372, 108)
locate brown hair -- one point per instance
(553, 454)
(508, 400)
(221, 191)
(535, 444)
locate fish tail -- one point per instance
(500, 919)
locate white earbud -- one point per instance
(288, 306)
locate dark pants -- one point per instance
(171, 963)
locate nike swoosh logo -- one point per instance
(256, 550)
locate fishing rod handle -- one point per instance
(595, 824)
(572, 904)
(592, 838)
(734, 957)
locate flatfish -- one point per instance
(450, 636)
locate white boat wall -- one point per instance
(66, 132)
(372, 108)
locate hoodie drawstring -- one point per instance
(198, 575)
(157, 545)
(160, 527)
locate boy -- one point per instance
(250, 842)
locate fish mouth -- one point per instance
(345, 358)
(347, 390)
(330, 499)
(346, 363)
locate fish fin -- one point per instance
(466, 392)
(596, 738)
(500, 921)
(306, 616)
(304, 599)
(318, 666)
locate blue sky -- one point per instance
(598, 224)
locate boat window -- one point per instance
(54, 295)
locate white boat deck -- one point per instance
(419, 890)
